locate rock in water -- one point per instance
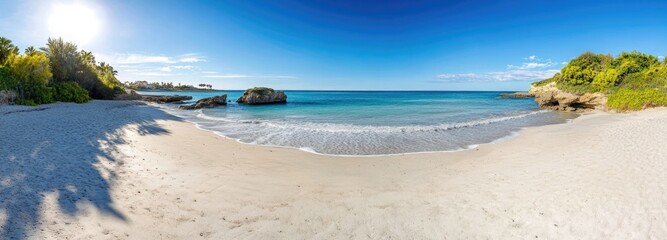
(164, 98)
(209, 102)
(261, 95)
(516, 95)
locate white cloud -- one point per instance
(183, 67)
(532, 58)
(138, 66)
(501, 76)
(192, 59)
(237, 76)
(133, 66)
(176, 67)
(134, 58)
(534, 69)
(532, 65)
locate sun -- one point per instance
(75, 23)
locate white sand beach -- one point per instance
(125, 170)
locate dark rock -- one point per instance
(165, 98)
(257, 95)
(7, 97)
(130, 95)
(516, 95)
(209, 102)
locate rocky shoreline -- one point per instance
(165, 98)
(253, 96)
(550, 97)
(516, 95)
(208, 102)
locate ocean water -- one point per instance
(371, 122)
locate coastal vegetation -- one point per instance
(56, 72)
(166, 86)
(631, 80)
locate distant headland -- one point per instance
(168, 86)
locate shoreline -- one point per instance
(511, 135)
(325, 154)
(470, 147)
(133, 171)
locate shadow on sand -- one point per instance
(63, 150)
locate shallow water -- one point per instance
(371, 122)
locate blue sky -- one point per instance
(346, 45)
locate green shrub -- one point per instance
(583, 69)
(628, 99)
(638, 81)
(30, 92)
(7, 81)
(93, 80)
(657, 75)
(59, 72)
(579, 89)
(26, 102)
(30, 74)
(71, 92)
(69, 64)
(605, 80)
(633, 62)
(43, 94)
(575, 75)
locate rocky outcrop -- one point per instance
(255, 96)
(7, 97)
(129, 95)
(550, 97)
(516, 95)
(209, 102)
(165, 98)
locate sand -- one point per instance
(125, 170)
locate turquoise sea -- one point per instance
(371, 122)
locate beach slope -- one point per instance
(125, 170)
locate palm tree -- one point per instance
(87, 57)
(6, 49)
(63, 58)
(106, 68)
(31, 51)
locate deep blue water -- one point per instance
(371, 122)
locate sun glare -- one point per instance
(75, 23)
